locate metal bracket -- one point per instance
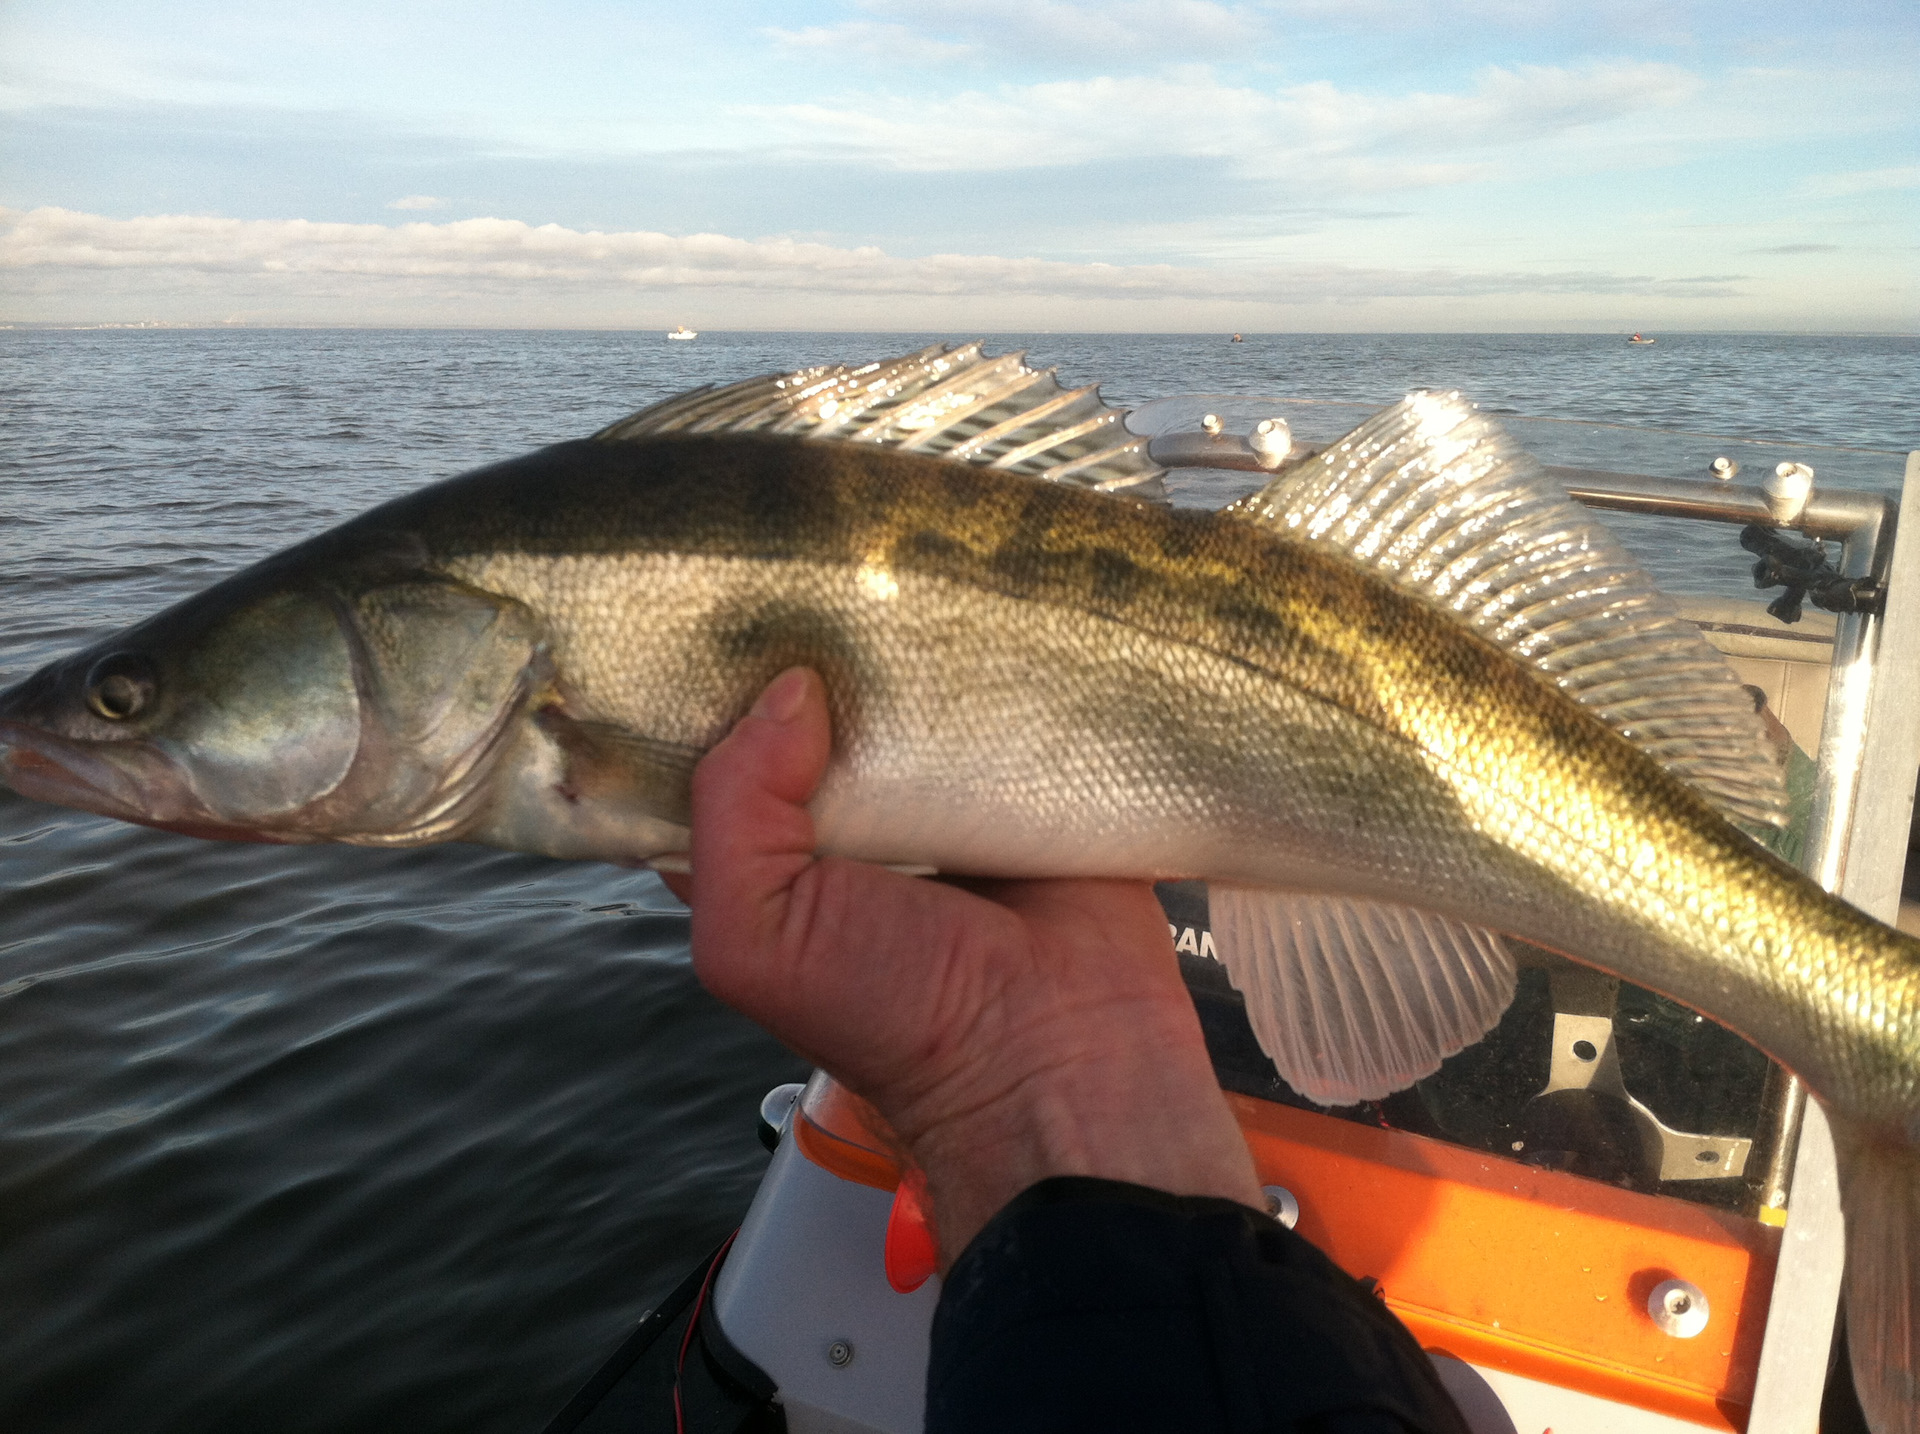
(1586, 1057)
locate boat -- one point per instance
(682, 332)
(1562, 1211)
(1238, 340)
(1636, 339)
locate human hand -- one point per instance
(1007, 1031)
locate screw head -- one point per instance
(840, 1354)
(1679, 1308)
(1281, 1204)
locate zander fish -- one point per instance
(1404, 698)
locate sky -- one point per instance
(1138, 165)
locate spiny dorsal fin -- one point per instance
(951, 403)
(1437, 499)
(1353, 1000)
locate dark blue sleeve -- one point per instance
(1091, 1305)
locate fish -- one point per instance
(1404, 702)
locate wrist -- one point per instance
(1144, 1109)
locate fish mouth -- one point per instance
(129, 781)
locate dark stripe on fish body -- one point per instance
(1309, 620)
(1218, 583)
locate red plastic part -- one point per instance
(911, 1255)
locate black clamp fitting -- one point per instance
(1803, 570)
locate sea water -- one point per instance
(326, 1139)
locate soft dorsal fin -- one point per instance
(951, 403)
(1437, 499)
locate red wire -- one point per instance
(693, 1323)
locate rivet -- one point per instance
(840, 1354)
(1678, 1307)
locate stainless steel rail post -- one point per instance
(1869, 756)
(1858, 842)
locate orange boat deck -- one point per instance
(1498, 1263)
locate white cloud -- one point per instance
(1065, 35)
(1646, 18)
(871, 41)
(418, 201)
(1329, 131)
(1862, 181)
(501, 254)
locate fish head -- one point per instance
(294, 702)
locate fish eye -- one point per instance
(120, 686)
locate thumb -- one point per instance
(859, 969)
(752, 834)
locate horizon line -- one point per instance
(212, 325)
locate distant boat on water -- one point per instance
(1237, 339)
(681, 331)
(1636, 339)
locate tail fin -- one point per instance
(1880, 1189)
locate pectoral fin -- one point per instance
(607, 763)
(1353, 1000)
